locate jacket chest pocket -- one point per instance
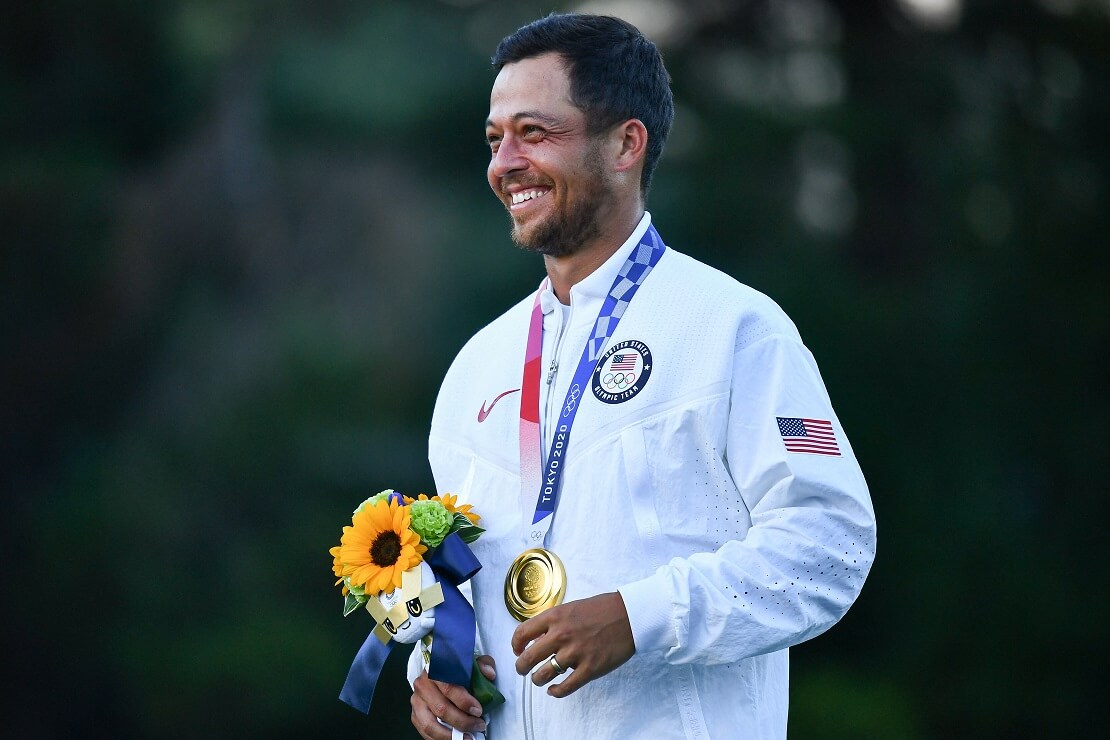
(682, 496)
(641, 490)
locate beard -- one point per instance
(568, 231)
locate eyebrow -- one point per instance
(541, 117)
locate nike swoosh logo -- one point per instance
(484, 412)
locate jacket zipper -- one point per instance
(553, 372)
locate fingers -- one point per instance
(591, 637)
(487, 666)
(540, 650)
(574, 680)
(425, 721)
(433, 701)
(546, 672)
(552, 637)
(530, 630)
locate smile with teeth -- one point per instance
(526, 195)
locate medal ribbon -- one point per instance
(547, 477)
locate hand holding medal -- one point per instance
(583, 639)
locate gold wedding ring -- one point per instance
(536, 581)
(556, 667)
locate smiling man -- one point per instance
(670, 502)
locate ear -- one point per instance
(630, 138)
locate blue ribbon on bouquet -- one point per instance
(453, 644)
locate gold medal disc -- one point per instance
(536, 581)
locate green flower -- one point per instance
(372, 500)
(430, 520)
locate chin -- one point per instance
(563, 232)
(529, 237)
(533, 240)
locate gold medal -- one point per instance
(536, 581)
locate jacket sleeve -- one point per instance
(811, 543)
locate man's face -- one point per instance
(544, 167)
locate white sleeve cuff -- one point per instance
(650, 613)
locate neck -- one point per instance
(566, 272)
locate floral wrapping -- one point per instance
(403, 559)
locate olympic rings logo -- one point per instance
(618, 381)
(572, 400)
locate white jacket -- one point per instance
(726, 547)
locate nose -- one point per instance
(507, 159)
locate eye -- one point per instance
(533, 133)
(493, 141)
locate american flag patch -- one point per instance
(815, 436)
(623, 362)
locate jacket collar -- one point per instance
(592, 290)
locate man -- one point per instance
(707, 512)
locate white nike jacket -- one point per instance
(729, 535)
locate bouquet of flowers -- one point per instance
(402, 559)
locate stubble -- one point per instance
(566, 233)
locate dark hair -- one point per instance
(615, 73)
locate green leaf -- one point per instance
(482, 689)
(459, 521)
(470, 533)
(352, 603)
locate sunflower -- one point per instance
(337, 566)
(379, 547)
(448, 500)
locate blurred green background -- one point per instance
(244, 240)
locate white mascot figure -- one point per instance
(408, 613)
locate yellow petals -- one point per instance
(377, 548)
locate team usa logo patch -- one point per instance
(622, 371)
